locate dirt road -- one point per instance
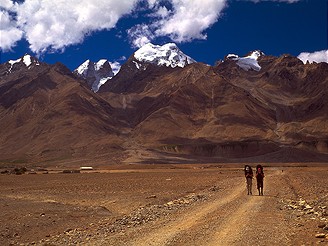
(232, 219)
(189, 207)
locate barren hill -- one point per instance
(227, 112)
(47, 113)
(252, 108)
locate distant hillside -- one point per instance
(252, 108)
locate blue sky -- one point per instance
(74, 31)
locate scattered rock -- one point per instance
(320, 235)
(19, 170)
(68, 230)
(321, 225)
(302, 203)
(150, 197)
(214, 188)
(292, 206)
(310, 211)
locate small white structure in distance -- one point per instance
(86, 168)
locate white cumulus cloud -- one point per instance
(57, 24)
(318, 56)
(181, 20)
(140, 35)
(190, 18)
(9, 33)
(6, 4)
(152, 3)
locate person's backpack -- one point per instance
(248, 170)
(259, 169)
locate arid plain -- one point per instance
(165, 204)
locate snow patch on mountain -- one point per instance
(100, 64)
(167, 55)
(116, 67)
(96, 74)
(232, 56)
(137, 64)
(317, 56)
(12, 62)
(248, 62)
(83, 68)
(27, 60)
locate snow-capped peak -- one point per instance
(167, 55)
(256, 54)
(27, 60)
(232, 56)
(247, 62)
(83, 68)
(96, 73)
(100, 64)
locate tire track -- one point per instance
(188, 221)
(233, 227)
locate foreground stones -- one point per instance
(310, 211)
(320, 235)
(136, 218)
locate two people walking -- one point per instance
(259, 178)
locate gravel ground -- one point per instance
(158, 206)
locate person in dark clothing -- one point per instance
(259, 179)
(249, 177)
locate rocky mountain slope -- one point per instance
(255, 105)
(252, 108)
(46, 112)
(95, 73)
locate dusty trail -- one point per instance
(256, 220)
(190, 207)
(232, 219)
(187, 222)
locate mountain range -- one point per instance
(164, 107)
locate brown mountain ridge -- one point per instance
(157, 114)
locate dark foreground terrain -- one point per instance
(166, 205)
